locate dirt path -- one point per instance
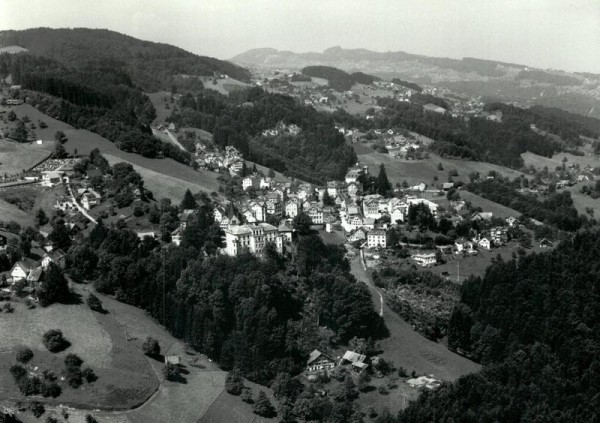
(406, 347)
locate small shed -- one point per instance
(172, 359)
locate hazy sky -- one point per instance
(560, 34)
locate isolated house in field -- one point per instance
(545, 243)
(429, 107)
(319, 362)
(512, 221)
(355, 360)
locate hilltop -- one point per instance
(151, 65)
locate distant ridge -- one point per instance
(151, 65)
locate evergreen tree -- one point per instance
(328, 200)
(188, 201)
(254, 169)
(41, 218)
(263, 406)
(271, 173)
(382, 184)
(19, 133)
(54, 286)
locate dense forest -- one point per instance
(97, 97)
(556, 209)
(318, 153)
(567, 125)
(337, 78)
(547, 78)
(152, 66)
(261, 316)
(534, 322)
(407, 84)
(478, 139)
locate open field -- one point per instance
(417, 171)
(125, 377)
(111, 344)
(164, 185)
(407, 348)
(556, 160)
(460, 268)
(45, 134)
(9, 212)
(158, 102)
(488, 206)
(224, 86)
(583, 202)
(16, 157)
(229, 409)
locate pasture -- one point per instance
(128, 382)
(125, 377)
(16, 157)
(10, 212)
(498, 210)
(417, 171)
(224, 86)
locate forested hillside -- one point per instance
(478, 139)
(318, 153)
(152, 66)
(99, 98)
(338, 79)
(568, 126)
(261, 316)
(534, 322)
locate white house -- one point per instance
(424, 259)
(377, 238)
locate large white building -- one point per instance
(253, 238)
(377, 238)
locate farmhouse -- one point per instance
(355, 360)
(22, 270)
(319, 362)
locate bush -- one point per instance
(24, 355)
(50, 389)
(90, 419)
(17, 371)
(73, 360)
(247, 395)
(37, 409)
(234, 384)
(74, 377)
(171, 372)
(89, 375)
(55, 341)
(94, 303)
(30, 386)
(151, 347)
(263, 406)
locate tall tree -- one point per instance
(382, 184)
(188, 202)
(54, 286)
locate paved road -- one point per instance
(406, 347)
(79, 207)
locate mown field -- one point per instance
(488, 206)
(111, 344)
(417, 171)
(10, 212)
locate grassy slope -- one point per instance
(9, 212)
(580, 201)
(112, 343)
(416, 171)
(166, 177)
(407, 348)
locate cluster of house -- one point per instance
(229, 160)
(282, 129)
(319, 363)
(27, 273)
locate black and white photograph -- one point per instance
(300, 211)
